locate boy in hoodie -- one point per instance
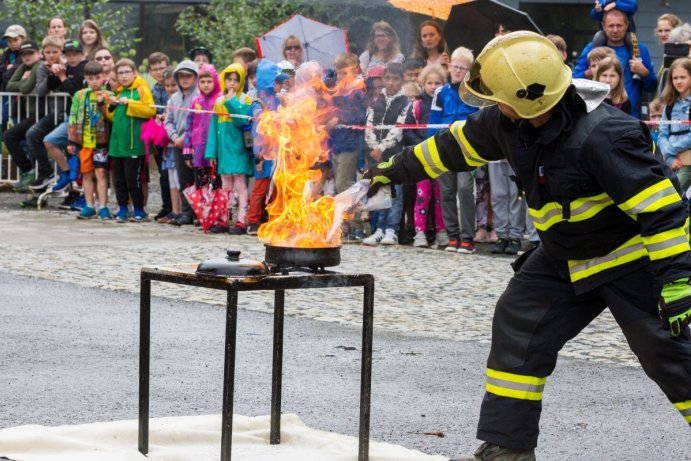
(24, 81)
(185, 76)
(129, 108)
(15, 35)
(62, 78)
(269, 82)
(226, 149)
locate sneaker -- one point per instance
(162, 214)
(490, 452)
(121, 215)
(41, 182)
(104, 213)
(500, 247)
(466, 247)
(31, 202)
(374, 239)
(218, 229)
(181, 220)
(441, 239)
(390, 238)
(87, 213)
(25, 179)
(420, 240)
(167, 218)
(252, 229)
(139, 215)
(481, 235)
(63, 181)
(513, 247)
(238, 229)
(78, 204)
(453, 246)
(531, 245)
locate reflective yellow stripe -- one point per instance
(685, 409)
(515, 386)
(581, 209)
(632, 250)
(472, 158)
(651, 199)
(668, 243)
(427, 153)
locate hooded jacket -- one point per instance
(176, 120)
(351, 109)
(198, 123)
(126, 132)
(225, 142)
(266, 99)
(447, 107)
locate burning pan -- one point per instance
(302, 257)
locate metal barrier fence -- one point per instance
(14, 107)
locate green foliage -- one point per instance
(224, 26)
(34, 15)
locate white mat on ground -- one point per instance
(188, 438)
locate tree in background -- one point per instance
(34, 15)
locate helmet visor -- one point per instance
(473, 91)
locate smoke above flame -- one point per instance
(296, 137)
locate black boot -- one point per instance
(491, 452)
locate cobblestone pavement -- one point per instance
(422, 292)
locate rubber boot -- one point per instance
(491, 452)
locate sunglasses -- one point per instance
(102, 58)
(293, 48)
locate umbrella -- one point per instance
(320, 42)
(438, 9)
(473, 24)
(210, 204)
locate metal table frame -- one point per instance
(232, 286)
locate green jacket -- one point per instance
(26, 86)
(126, 132)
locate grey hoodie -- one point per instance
(176, 120)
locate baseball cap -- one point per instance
(201, 50)
(14, 31)
(28, 46)
(72, 45)
(286, 67)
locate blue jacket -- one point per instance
(160, 97)
(351, 109)
(266, 99)
(675, 138)
(447, 107)
(626, 6)
(633, 86)
(415, 137)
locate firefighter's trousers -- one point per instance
(538, 313)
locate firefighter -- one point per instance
(613, 226)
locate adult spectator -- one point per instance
(430, 46)
(292, 51)
(665, 24)
(615, 24)
(383, 47)
(91, 37)
(56, 28)
(106, 59)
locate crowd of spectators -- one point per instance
(101, 134)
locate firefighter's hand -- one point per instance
(675, 306)
(383, 174)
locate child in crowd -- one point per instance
(252, 78)
(201, 55)
(391, 108)
(168, 159)
(675, 138)
(15, 35)
(351, 109)
(185, 76)
(105, 57)
(88, 133)
(157, 64)
(447, 108)
(374, 84)
(560, 43)
(226, 144)
(655, 109)
(431, 78)
(609, 71)
(128, 109)
(244, 56)
(413, 67)
(269, 81)
(595, 56)
(411, 90)
(24, 81)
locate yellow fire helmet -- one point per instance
(523, 70)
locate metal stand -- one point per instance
(232, 286)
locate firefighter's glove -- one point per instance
(675, 306)
(383, 174)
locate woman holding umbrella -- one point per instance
(292, 50)
(430, 46)
(383, 47)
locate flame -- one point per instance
(295, 137)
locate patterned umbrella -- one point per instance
(209, 204)
(438, 9)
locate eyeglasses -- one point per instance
(458, 68)
(103, 58)
(158, 69)
(125, 72)
(293, 48)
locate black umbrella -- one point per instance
(473, 24)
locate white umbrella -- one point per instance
(320, 42)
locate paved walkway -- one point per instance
(422, 292)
